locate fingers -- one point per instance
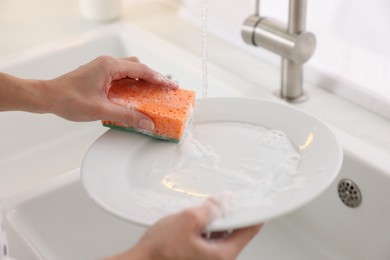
(224, 201)
(238, 239)
(132, 58)
(159, 79)
(212, 208)
(129, 117)
(202, 215)
(131, 67)
(125, 68)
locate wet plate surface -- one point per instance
(268, 157)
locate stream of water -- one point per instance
(205, 7)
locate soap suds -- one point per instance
(252, 163)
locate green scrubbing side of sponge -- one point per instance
(136, 130)
(169, 109)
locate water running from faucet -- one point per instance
(205, 7)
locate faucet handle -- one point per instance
(273, 35)
(248, 29)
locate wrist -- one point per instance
(41, 96)
(18, 94)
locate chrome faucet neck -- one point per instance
(291, 42)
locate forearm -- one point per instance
(23, 95)
(82, 94)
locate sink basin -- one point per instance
(57, 220)
(53, 218)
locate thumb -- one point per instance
(207, 212)
(128, 116)
(238, 239)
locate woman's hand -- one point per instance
(81, 95)
(179, 237)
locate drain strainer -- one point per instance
(349, 193)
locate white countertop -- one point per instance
(25, 25)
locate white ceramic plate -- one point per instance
(237, 146)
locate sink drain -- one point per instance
(349, 193)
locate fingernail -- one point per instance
(224, 202)
(166, 81)
(146, 124)
(173, 84)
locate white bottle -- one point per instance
(100, 10)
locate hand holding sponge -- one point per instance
(170, 109)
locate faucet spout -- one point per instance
(292, 42)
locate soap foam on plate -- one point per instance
(253, 163)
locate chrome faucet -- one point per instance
(291, 42)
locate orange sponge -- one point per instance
(169, 109)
